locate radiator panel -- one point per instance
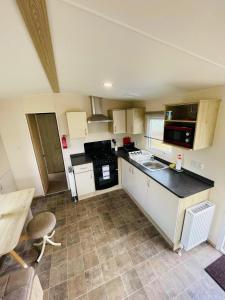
(198, 219)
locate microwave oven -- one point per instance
(179, 135)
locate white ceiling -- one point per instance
(146, 48)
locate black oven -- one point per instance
(103, 158)
(179, 135)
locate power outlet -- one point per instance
(197, 165)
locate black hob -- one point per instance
(103, 156)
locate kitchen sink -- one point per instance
(154, 165)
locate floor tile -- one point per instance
(131, 281)
(104, 253)
(110, 269)
(124, 262)
(115, 289)
(77, 286)
(98, 294)
(155, 290)
(93, 277)
(74, 251)
(58, 274)
(145, 272)
(59, 292)
(139, 295)
(90, 260)
(75, 266)
(88, 245)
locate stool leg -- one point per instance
(38, 244)
(50, 236)
(42, 249)
(52, 243)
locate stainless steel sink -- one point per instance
(154, 165)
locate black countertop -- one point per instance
(182, 184)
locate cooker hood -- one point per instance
(96, 109)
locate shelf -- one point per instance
(181, 121)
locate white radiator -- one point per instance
(197, 224)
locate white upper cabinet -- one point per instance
(77, 124)
(135, 120)
(119, 121)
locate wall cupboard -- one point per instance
(135, 120)
(118, 125)
(77, 124)
(200, 115)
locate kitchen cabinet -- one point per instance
(118, 125)
(134, 181)
(201, 116)
(77, 124)
(84, 178)
(135, 120)
(164, 209)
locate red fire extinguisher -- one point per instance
(64, 141)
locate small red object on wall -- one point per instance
(64, 141)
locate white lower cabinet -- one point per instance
(160, 204)
(84, 178)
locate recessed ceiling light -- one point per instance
(108, 84)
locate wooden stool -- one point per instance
(42, 226)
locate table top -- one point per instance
(14, 208)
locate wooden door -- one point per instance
(31, 119)
(49, 134)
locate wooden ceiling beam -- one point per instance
(34, 13)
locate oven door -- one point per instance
(102, 183)
(179, 135)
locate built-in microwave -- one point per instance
(179, 135)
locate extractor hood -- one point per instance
(96, 110)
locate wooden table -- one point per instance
(14, 208)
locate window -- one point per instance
(154, 132)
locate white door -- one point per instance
(119, 121)
(85, 183)
(77, 124)
(162, 207)
(127, 175)
(139, 187)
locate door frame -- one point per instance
(46, 112)
(221, 240)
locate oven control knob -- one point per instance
(187, 140)
(187, 133)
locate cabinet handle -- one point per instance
(85, 131)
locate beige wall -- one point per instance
(7, 182)
(16, 136)
(213, 158)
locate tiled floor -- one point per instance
(111, 251)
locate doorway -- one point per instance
(46, 143)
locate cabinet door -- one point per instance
(138, 121)
(77, 124)
(139, 187)
(119, 121)
(85, 183)
(130, 120)
(127, 175)
(135, 120)
(162, 207)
